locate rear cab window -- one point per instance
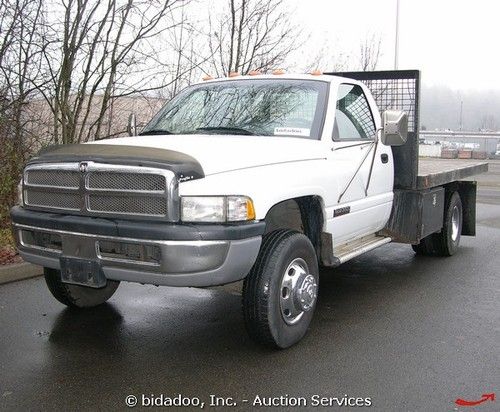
(353, 116)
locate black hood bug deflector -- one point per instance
(184, 166)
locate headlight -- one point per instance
(216, 209)
(20, 193)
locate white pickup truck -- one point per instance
(263, 178)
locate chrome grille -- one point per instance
(96, 189)
(53, 178)
(67, 201)
(126, 181)
(141, 205)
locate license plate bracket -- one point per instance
(83, 272)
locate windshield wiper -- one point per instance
(233, 130)
(155, 131)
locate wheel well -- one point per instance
(304, 214)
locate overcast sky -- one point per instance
(454, 43)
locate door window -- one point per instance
(353, 117)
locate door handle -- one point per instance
(384, 157)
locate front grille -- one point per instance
(126, 181)
(53, 178)
(89, 188)
(53, 200)
(141, 205)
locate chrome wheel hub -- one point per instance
(455, 223)
(298, 291)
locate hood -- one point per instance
(222, 153)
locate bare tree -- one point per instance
(98, 51)
(250, 34)
(19, 64)
(329, 58)
(369, 52)
(188, 44)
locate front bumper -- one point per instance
(187, 255)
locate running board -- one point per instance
(350, 250)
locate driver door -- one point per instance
(362, 169)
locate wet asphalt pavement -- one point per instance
(410, 333)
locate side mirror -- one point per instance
(132, 125)
(394, 128)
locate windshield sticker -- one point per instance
(292, 131)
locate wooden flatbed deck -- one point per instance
(438, 172)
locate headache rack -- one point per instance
(397, 90)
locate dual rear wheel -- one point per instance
(445, 242)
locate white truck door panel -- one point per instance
(358, 162)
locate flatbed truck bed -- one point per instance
(419, 211)
(437, 172)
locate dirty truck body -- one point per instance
(261, 178)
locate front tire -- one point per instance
(77, 296)
(279, 293)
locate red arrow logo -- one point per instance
(485, 397)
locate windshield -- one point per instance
(251, 107)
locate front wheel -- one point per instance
(75, 295)
(280, 292)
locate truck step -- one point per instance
(357, 247)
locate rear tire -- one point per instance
(447, 241)
(279, 293)
(77, 296)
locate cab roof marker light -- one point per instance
(207, 77)
(278, 72)
(233, 74)
(254, 72)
